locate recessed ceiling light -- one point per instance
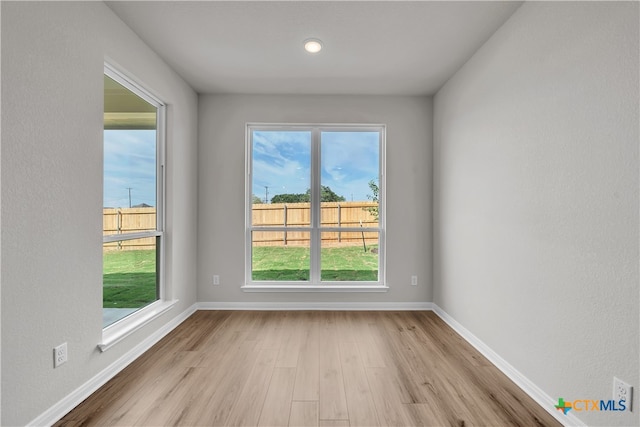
(312, 45)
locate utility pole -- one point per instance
(129, 188)
(266, 193)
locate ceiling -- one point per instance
(370, 47)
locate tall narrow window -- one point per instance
(315, 206)
(132, 213)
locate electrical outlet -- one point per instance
(414, 280)
(622, 391)
(216, 279)
(59, 355)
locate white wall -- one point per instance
(222, 120)
(536, 198)
(52, 105)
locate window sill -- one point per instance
(315, 288)
(113, 334)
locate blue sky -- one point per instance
(129, 161)
(281, 161)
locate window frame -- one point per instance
(315, 284)
(118, 330)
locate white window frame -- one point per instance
(314, 284)
(119, 330)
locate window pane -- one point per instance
(130, 277)
(129, 148)
(129, 168)
(280, 255)
(349, 256)
(350, 164)
(131, 184)
(281, 173)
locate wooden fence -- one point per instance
(332, 214)
(129, 220)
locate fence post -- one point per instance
(339, 223)
(285, 224)
(119, 226)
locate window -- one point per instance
(132, 240)
(315, 207)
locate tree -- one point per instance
(373, 210)
(256, 199)
(290, 198)
(327, 195)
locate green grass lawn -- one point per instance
(129, 278)
(347, 263)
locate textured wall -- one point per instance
(221, 188)
(52, 89)
(536, 198)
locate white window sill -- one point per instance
(314, 288)
(118, 331)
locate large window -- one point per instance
(132, 208)
(315, 206)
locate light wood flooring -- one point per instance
(306, 368)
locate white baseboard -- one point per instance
(60, 409)
(535, 392)
(325, 306)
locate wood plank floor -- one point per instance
(306, 368)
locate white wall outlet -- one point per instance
(622, 391)
(216, 279)
(414, 280)
(59, 355)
